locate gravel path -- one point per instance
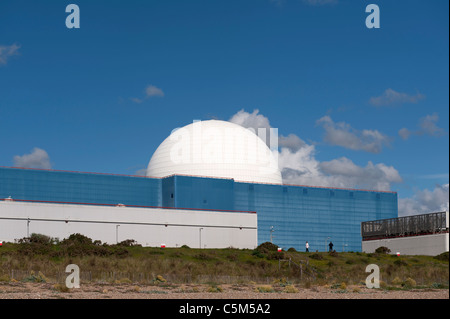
(19, 290)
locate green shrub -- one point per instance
(400, 262)
(409, 283)
(316, 256)
(397, 281)
(159, 279)
(35, 278)
(437, 285)
(203, 256)
(282, 282)
(290, 289)
(382, 250)
(257, 253)
(215, 288)
(77, 239)
(444, 256)
(129, 243)
(36, 244)
(333, 253)
(276, 255)
(267, 247)
(264, 288)
(41, 239)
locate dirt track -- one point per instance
(21, 290)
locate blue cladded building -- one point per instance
(289, 215)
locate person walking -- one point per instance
(331, 246)
(307, 247)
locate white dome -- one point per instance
(217, 149)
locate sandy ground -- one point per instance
(20, 290)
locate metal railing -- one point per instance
(405, 226)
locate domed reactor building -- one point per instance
(210, 184)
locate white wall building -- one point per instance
(112, 224)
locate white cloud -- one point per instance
(301, 168)
(298, 165)
(391, 97)
(405, 133)
(291, 142)
(427, 126)
(38, 158)
(425, 201)
(7, 51)
(250, 120)
(152, 90)
(136, 100)
(342, 134)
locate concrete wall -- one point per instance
(430, 245)
(147, 226)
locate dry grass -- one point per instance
(131, 264)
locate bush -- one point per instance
(129, 243)
(41, 239)
(257, 253)
(282, 282)
(264, 288)
(444, 256)
(203, 256)
(316, 256)
(267, 247)
(290, 289)
(36, 244)
(382, 250)
(397, 281)
(77, 238)
(333, 253)
(35, 278)
(276, 255)
(409, 283)
(159, 279)
(215, 288)
(400, 262)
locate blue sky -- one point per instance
(364, 108)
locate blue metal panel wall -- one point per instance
(317, 215)
(61, 186)
(203, 193)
